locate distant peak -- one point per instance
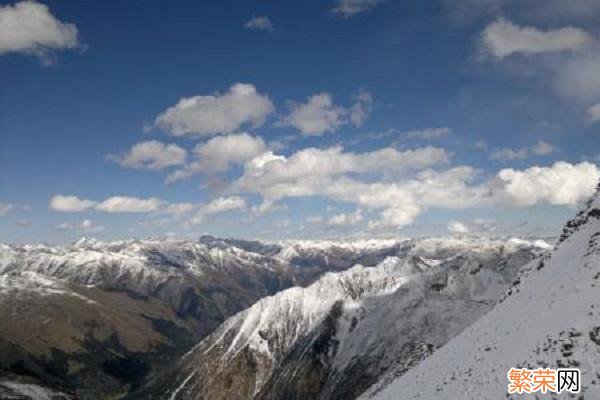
(85, 241)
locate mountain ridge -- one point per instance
(302, 343)
(550, 320)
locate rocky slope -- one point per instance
(336, 337)
(550, 319)
(96, 318)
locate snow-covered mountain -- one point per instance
(336, 337)
(550, 320)
(110, 312)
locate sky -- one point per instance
(287, 119)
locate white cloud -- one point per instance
(317, 116)
(401, 185)
(276, 176)
(263, 23)
(152, 155)
(222, 204)
(327, 173)
(349, 8)
(561, 184)
(457, 227)
(85, 225)
(88, 226)
(124, 204)
(70, 203)
(5, 208)
(28, 27)
(346, 219)
(219, 153)
(362, 108)
(508, 154)
(217, 113)
(542, 148)
(594, 113)
(429, 133)
(266, 206)
(397, 217)
(219, 205)
(178, 208)
(503, 38)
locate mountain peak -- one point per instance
(590, 212)
(84, 242)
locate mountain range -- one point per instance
(336, 337)
(220, 318)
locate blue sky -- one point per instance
(369, 118)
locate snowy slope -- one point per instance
(337, 336)
(551, 319)
(29, 391)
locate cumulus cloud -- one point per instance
(333, 173)
(457, 227)
(220, 153)
(263, 23)
(152, 155)
(429, 133)
(28, 27)
(219, 205)
(346, 219)
(5, 208)
(276, 176)
(219, 113)
(222, 204)
(401, 185)
(349, 8)
(561, 184)
(317, 116)
(124, 204)
(397, 216)
(70, 203)
(503, 38)
(594, 113)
